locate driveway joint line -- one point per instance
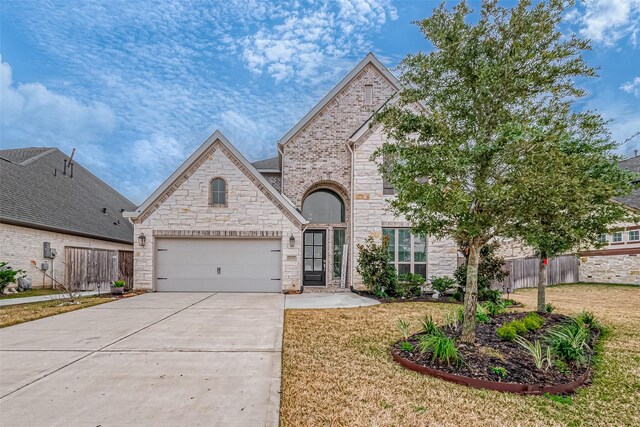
(102, 348)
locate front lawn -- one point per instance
(31, 293)
(337, 369)
(14, 314)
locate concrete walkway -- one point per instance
(161, 359)
(28, 300)
(328, 300)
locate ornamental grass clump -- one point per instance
(442, 348)
(570, 342)
(541, 358)
(429, 327)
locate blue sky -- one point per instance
(136, 86)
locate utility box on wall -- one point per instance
(48, 252)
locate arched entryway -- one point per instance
(326, 236)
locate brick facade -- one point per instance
(250, 211)
(20, 245)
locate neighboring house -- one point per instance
(220, 223)
(53, 211)
(619, 261)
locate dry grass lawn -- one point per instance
(14, 314)
(31, 293)
(337, 370)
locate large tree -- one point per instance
(568, 214)
(471, 116)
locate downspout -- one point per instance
(351, 202)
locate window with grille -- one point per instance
(407, 252)
(218, 192)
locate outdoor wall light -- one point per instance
(142, 239)
(292, 241)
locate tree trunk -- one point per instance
(471, 294)
(542, 283)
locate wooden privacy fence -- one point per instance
(86, 268)
(523, 272)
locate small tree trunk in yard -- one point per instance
(542, 283)
(471, 294)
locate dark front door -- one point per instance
(314, 257)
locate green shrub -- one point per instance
(495, 308)
(499, 371)
(569, 342)
(506, 332)
(481, 314)
(442, 348)
(410, 285)
(548, 307)
(8, 275)
(429, 327)
(118, 283)
(373, 265)
(406, 346)
(442, 284)
(403, 327)
(587, 318)
(533, 321)
(519, 326)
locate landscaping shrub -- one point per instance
(587, 318)
(548, 307)
(533, 321)
(373, 265)
(481, 314)
(443, 349)
(442, 284)
(429, 327)
(8, 275)
(490, 270)
(519, 326)
(569, 342)
(410, 285)
(406, 346)
(499, 371)
(494, 308)
(506, 332)
(118, 284)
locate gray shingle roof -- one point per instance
(271, 163)
(633, 199)
(31, 195)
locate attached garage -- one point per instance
(218, 265)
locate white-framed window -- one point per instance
(218, 192)
(634, 235)
(602, 238)
(407, 252)
(616, 237)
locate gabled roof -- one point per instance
(217, 136)
(36, 194)
(633, 199)
(270, 165)
(369, 59)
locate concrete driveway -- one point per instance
(155, 359)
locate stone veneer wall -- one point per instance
(20, 245)
(371, 213)
(318, 152)
(615, 269)
(248, 210)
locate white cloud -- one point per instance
(607, 21)
(313, 36)
(632, 87)
(34, 115)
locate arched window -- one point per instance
(324, 207)
(218, 191)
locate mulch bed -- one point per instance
(425, 298)
(490, 351)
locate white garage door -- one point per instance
(218, 265)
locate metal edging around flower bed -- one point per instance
(493, 385)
